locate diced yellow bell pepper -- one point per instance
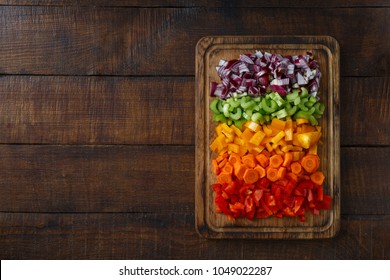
(247, 135)
(277, 124)
(278, 137)
(308, 139)
(257, 138)
(301, 121)
(236, 130)
(288, 130)
(267, 130)
(226, 128)
(234, 148)
(253, 126)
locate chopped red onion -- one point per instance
(263, 72)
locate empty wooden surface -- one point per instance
(97, 126)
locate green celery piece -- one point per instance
(229, 122)
(220, 118)
(297, 100)
(220, 106)
(320, 108)
(247, 114)
(237, 115)
(313, 120)
(266, 107)
(302, 106)
(257, 117)
(239, 123)
(304, 92)
(292, 96)
(280, 114)
(291, 110)
(233, 103)
(225, 110)
(247, 102)
(213, 106)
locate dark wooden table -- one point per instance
(97, 126)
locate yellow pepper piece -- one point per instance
(277, 124)
(257, 138)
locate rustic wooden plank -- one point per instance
(202, 3)
(141, 41)
(107, 110)
(151, 179)
(365, 180)
(90, 110)
(365, 111)
(96, 178)
(173, 236)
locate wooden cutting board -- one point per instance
(210, 224)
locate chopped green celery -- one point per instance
(313, 120)
(278, 99)
(291, 110)
(225, 110)
(247, 102)
(257, 117)
(233, 103)
(267, 118)
(257, 99)
(297, 100)
(301, 115)
(237, 115)
(266, 107)
(256, 108)
(280, 114)
(229, 122)
(319, 107)
(309, 104)
(247, 114)
(304, 92)
(213, 106)
(220, 118)
(302, 106)
(274, 105)
(239, 123)
(313, 99)
(292, 96)
(220, 106)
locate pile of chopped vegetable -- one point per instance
(266, 161)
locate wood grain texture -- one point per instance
(172, 236)
(96, 110)
(107, 110)
(201, 3)
(96, 179)
(141, 41)
(152, 179)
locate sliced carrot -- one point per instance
(261, 171)
(221, 157)
(275, 161)
(249, 160)
(228, 168)
(215, 167)
(263, 159)
(222, 163)
(288, 157)
(310, 163)
(272, 174)
(281, 172)
(296, 168)
(233, 158)
(224, 177)
(251, 176)
(317, 178)
(239, 170)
